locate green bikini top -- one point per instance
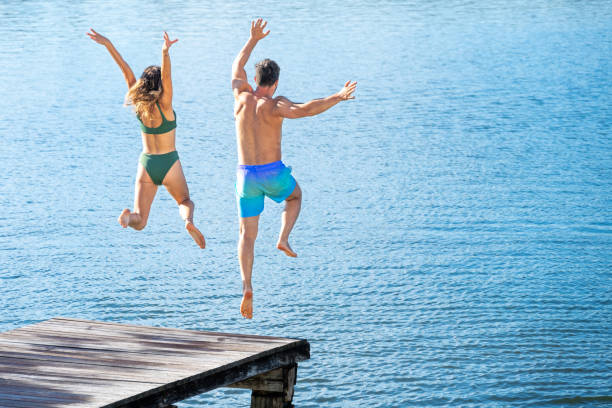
(165, 127)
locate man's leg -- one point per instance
(293, 203)
(246, 246)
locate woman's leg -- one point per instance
(177, 187)
(144, 194)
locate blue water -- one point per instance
(456, 236)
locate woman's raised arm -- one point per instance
(166, 73)
(125, 68)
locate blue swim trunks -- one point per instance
(253, 183)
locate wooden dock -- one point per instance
(79, 363)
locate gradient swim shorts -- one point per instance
(253, 183)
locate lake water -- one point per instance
(456, 236)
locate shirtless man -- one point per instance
(259, 120)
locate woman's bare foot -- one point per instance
(246, 306)
(124, 218)
(195, 234)
(284, 246)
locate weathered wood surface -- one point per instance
(271, 389)
(78, 363)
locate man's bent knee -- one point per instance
(296, 195)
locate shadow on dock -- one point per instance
(28, 392)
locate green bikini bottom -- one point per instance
(158, 165)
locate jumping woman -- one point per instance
(159, 163)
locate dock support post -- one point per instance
(273, 389)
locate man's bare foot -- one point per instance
(124, 218)
(246, 307)
(195, 234)
(284, 246)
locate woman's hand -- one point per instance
(97, 37)
(167, 42)
(125, 68)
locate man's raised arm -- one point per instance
(291, 110)
(239, 78)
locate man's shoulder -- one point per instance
(245, 96)
(265, 100)
(242, 90)
(280, 98)
(273, 103)
(276, 101)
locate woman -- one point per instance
(159, 163)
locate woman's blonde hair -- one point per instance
(145, 92)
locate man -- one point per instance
(259, 120)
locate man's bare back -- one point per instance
(258, 129)
(261, 172)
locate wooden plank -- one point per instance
(57, 382)
(18, 388)
(271, 381)
(92, 392)
(37, 400)
(263, 399)
(7, 403)
(216, 378)
(173, 363)
(113, 365)
(126, 359)
(116, 345)
(280, 381)
(179, 332)
(71, 370)
(220, 377)
(167, 352)
(90, 387)
(154, 335)
(97, 357)
(115, 342)
(110, 342)
(290, 376)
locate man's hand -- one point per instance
(257, 28)
(99, 38)
(239, 78)
(347, 91)
(167, 42)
